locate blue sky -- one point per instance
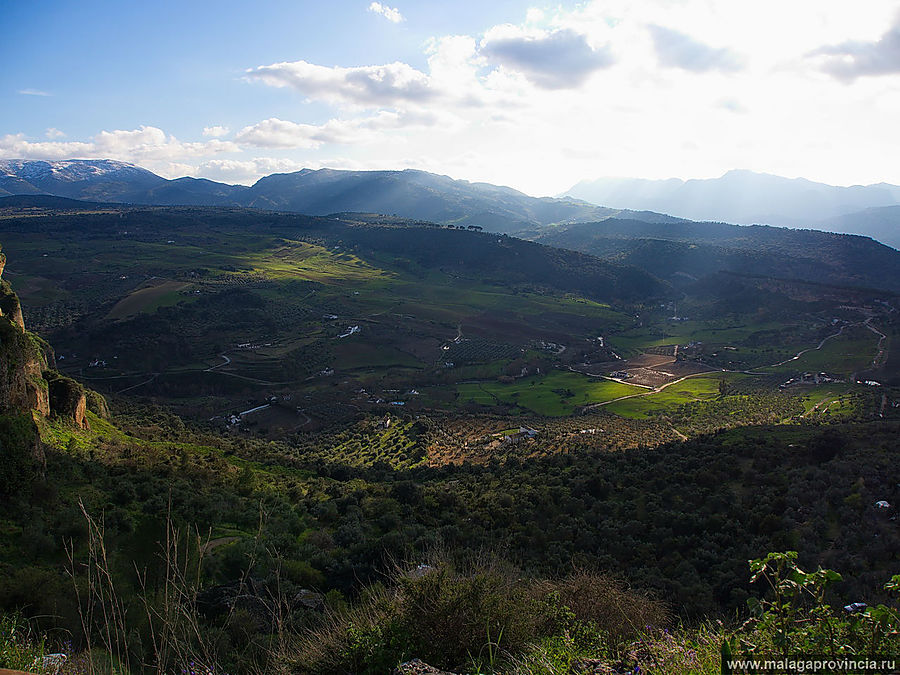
(533, 95)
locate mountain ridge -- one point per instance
(745, 197)
(408, 193)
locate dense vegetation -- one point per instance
(335, 445)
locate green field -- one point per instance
(700, 388)
(149, 299)
(682, 332)
(842, 355)
(553, 395)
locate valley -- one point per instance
(356, 388)
(422, 338)
(322, 320)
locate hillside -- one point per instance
(742, 197)
(691, 250)
(881, 223)
(334, 418)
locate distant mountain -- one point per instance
(409, 193)
(742, 197)
(687, 251)
(881, 223)
(102, 180)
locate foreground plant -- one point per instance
(797, 619)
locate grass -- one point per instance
(682, 332)
(20, 645)
(553, 395)
(149, 299)
(843, 355)
(700, 388)
(823, 395)
(299, 260)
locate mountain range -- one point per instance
(741, 197)
(409, 193)
(746, 197)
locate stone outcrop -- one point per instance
(28, 381)
(9, 305)
(418, 667)
(23, 359)
(67, 399)
(96, 403)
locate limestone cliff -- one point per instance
(23, 360)
(67, 399)
(28, 381)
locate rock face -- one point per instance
(27, 379)
(96, 403)
(67, 399)
(30, 388)
(23, 358)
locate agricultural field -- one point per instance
(555, 394)
(149, 298)
(699, 388)
(853, 350)
(213, 311)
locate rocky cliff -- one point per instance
(23, 359)
(28, 380)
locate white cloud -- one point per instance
(392, 14)
(559, 59)
(278, 133)
(858, 58)
(245, 171)
(369, 86)
(53, 133)
(148, 146)
(215, 131)
(34, 92)
(534, 15)
(677, 50)
(565, 94)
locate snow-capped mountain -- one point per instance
(96, 179)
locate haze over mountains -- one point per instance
(745, 198)
(409, 193)
(741, 197)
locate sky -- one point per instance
(536, 96)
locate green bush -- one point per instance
(19, 644)
(796, 618)
(479, 617)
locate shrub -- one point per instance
(479, 616)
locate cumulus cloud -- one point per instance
(392, 14)
(278, 133)
(852, 59)
(53, 132)
(146, 146)
(246, 171)
(34, 92)
(370, 86)
(215, 131)
(678, 50)
(561, 59)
